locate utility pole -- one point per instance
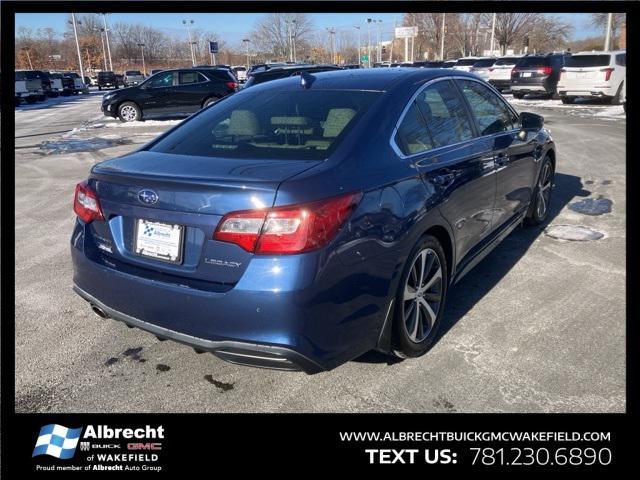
(357, 27)
(442, 38)
(144, 68)
(369, 42)
(293, 40)
(332, 32)
(26, 50)
(607, 36)
(75, 33)
(186, 23)
(246, 42)
(106, 34)
(378, 47)
(493, 32)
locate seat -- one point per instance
(243, 123)
(337, 120)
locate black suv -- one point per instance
(178, 92)
(268, 73)
(107, 79)
(538, 74)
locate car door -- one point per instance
(438, 136)
(189, 91)
(498, 126)
(156, 95)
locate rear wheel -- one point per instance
(31, 99)
(99, 87)
(615, 100)
(420, 299)
(129, 112)
(568, 99)
(539, 209)
(518, 95)
(210, 101)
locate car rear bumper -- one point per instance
(585, 91)
(528, 88)
(500, 82)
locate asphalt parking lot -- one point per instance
(538, 326)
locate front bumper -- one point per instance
(109, 109)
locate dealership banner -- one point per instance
(158, 445)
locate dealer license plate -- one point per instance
(162, 241)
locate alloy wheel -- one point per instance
(422, 295)
(544, 191)
(128, 113)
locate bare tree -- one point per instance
(272, 32)
(512, 26)
(600, 20)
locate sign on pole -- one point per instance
(213, 47)
(406, 32)
(364, 58)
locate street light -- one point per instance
(144, 68)
(26, 50)
(75, 33)
(357, 27)
(369, 42)
(106, 34)
(246, 42)
(378, 48)
(186, 23)
(104, 52)
(332, 32)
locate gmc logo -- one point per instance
(144, 446)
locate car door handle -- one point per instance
(502, 160)
(444, 179)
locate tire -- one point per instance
(539, 209)
(518, 95)
(31, 100)
(615, 100)
(568, 99)
(624, 106)
(99, 87)
(414, 336)
(209, 101)
(129, 112)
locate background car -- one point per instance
(176, 92)
(482, 66)
(449, 64)
(465, 63)
(537, 74)
(500, 72)
(594, 75)
(57, 83)
(275, 73)
(240, 71)
(28, 86)
(133, 77)
(156, 70)
(78, 84)
(107, 79)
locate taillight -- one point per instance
(86, 204)
(545, 70)
(514, 71)
(289, 229)
(607, 74)
(232, 85)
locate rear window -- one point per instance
(239, 69)
(506, 61)
(27, 75)
(534, 62)
(223, 75)
(133, 72)
(464, 62)
(484, 63)
(288, 125)
(580, 61)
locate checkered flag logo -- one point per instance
(57, 441)
(148, 230)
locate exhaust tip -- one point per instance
(98, 311)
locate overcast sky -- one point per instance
(231, 27)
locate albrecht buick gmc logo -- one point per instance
(105, 432)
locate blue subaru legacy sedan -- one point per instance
(302, 222)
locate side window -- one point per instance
(185, 78)
(445, 115)
(162, 80)
(491, 113)
(621, 59)
(412, 136)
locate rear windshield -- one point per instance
(133, 72)
(27, 75)
(534, 62)
(506, 61)
(463, 62)
(102, 74)
(484, 63)
(288, 125)
(239, 69)
(587, 61)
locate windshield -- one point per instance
(587, 61)
(288, 125)
(463, 62)
(133, 72)
(534, 62)
(484, 63)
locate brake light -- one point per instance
(232, 85)
(86, 204)
(289, 229)
(545, 70)
(514, 71)
(607, 74)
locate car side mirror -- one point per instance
(531, 121)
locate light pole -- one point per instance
(106, 34)
(357, 27)
(493, 32)
(186, 23)
(246, 42)
(75, 33)
(442, 38)
(369, 42)
(607, 36)
(26, 50)
(144, 68)
(378, 47)
(332, 32)
(104, 52)
(293, 38)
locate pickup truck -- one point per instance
(78, 84)
(106, 79)
(28, 87)
(133, 77)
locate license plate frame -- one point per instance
(526, 74)
(170, 246)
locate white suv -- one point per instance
(500, 72)
(465, 63)
(594, 74)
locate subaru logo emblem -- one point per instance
(148, 197)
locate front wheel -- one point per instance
(209, 101)
(129, 112)
(420, 299)
(539, 209)
(518, 95)
(568, 99)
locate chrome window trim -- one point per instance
(394, 132)
(178, 84)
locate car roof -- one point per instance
(380, 79)
(600, 52)
(296, 66)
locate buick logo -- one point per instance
(148, 197)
